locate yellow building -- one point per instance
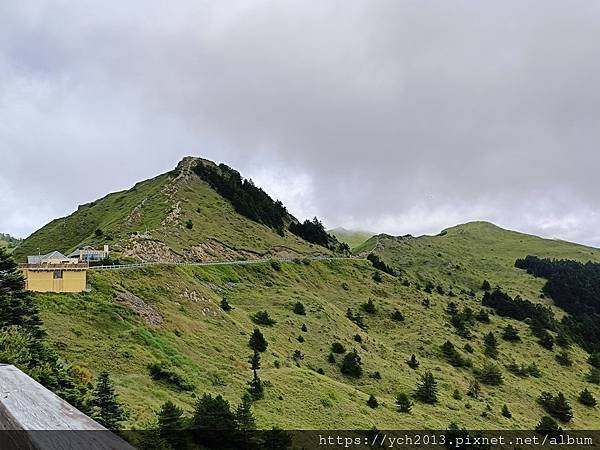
(54, 272)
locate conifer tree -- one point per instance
(506, 412)
(372, 402)
(299, 309)
(412, 362)
(257, 341)
(243, 414)
(561, 408)
(255, 386)
(510, 334)
(485, 286)
(225, 306)
(16, 304)
(427, 388)
(106, 408)
(491, 345)
(213, 414)
(369, 307)
(351, 365)
(547, 426)
(397, 316)
(403, 403)
(474, 389)
(170, 424)
(586, 398)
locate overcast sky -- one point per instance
(392, 116)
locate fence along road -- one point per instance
(224, 263)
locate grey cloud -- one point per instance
(403, 117)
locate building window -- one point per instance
(58, 274)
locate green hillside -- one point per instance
(180, 324)
(173, 217)
(353, 238)
(162, 333)
(9, 242)
(462, 256)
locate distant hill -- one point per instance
(181, 216)
(353, 238)
(173, 316)
(9, 242)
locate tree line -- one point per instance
(574, 287)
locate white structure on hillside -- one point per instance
(87, 254)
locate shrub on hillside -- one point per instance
(586, 398)
(489, 374)
(162, 372)
(338, 347)
(557, 406)
(351, 365)
(299, 309)
(263, 318)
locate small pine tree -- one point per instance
(485, 286)
(506, 412)
(482, 316)
(257, 341)
(586, 398)
(546, 340)
(372, 402)
(225, 306)
(369, 307)
(377, 277)
(456, 395)
(491, 345)
(331, 358)
(561, 408)
(213, 414)
(468, 348)
(300, 338)
(510, 334)
(170, 424)
(564, 359)
(263, 318)
(304, 328)
(299, 309)
(338, 347)
(474, 389)
(412, 362)
(351, 365)
(397, 316)
(106, 408)
(490, 374)
(547, 426)
(189, 224)
(255, 386)
(243, 414)
(426, 390)
(403, 403)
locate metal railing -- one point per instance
(47, 266)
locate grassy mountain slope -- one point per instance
(149, 222)
(462, 256)
(353, 238)
(208, 347)
(8, 242)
